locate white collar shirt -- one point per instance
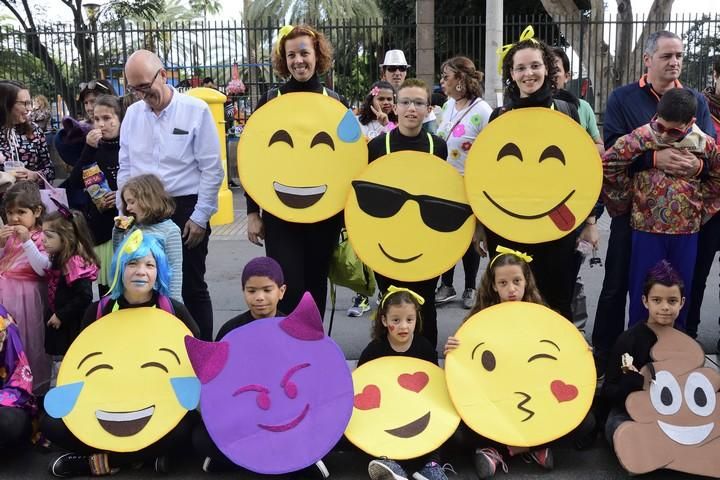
(180, 145)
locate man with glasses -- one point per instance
(174, 137)
(628, 108)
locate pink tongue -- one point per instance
(563, 218)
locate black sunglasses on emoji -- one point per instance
(382, 201)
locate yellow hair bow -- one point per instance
(527, 34)
(509, 251)
(393, 289)
(131, 244)
(282, 33)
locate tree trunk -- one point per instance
(36, 48)
(623, 68)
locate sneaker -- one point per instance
(468, 298)
(321, 465)
(541, 456)
(70, 465)
(433, 471)
(444, 294)
(385, 469)
(208, 465)
(361, 304)
(486, 461)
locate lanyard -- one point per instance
(430, 140)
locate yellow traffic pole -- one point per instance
(216, 102)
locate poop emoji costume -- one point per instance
(676, 418)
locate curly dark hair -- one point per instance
(378, 329)
(548, 59)
(366, 114)
(323, 50)
(470, 78)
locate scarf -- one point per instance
(541, 98)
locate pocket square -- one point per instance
(179, 131)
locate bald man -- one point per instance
(174, 137)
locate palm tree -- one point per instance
(312, 9)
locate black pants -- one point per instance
(196, 296)
(610, 315)
(303, 250)
(15, 427)
(708, 244)
(471, 265)
(425, 289)
(173, 444)
(553, 267)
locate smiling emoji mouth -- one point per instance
(124, 424)
(299, 197)
(397, 259)
(560, 214)
(686, 435)
(288, 426)
(416, 427)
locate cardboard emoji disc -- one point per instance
(533, 175)
(407, 216)
(402, 409)
(126, 380)
(297, 155)
(522, 376)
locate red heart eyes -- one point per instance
(415, 382)
(368, 399)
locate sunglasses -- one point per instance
(395, 68)
(676, 134)
(381, 201)
(93, 85)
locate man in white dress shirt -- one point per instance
(174, 137)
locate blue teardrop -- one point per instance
(187, 391)
(60, 401)
(348, 129)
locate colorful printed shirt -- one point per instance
(460, 128)
(659, 202)
(33, 152)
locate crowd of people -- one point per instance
(145, 175)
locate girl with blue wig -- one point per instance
(141, 277)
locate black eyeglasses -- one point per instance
(145, 86)
(395, 68)
(381, 201)
(93, 85)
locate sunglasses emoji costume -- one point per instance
(407, 216)
(533, 175)
(676, 418)
(402, 408)
(298, 154)
(522, 376)
(276, 393)
(126, 381)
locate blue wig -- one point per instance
(150, 245)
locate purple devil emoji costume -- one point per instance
(276, 393)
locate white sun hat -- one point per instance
(394, 57)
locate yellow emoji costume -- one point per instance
(533, 175)
(522, 375)
(407, 216)
(126, 381)
(401, 409)
(298, 154)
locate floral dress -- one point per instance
(459, 128)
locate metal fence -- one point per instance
(605, 52)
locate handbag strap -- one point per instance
(467, 110)
(48, 185)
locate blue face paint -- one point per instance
(187, 391)
(349, 128)
(60, 401)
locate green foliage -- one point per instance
(702, 49)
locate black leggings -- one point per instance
(174, 443)
(15, 427)
(471, 265)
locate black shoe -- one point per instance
(162, 464)
(70, 465)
